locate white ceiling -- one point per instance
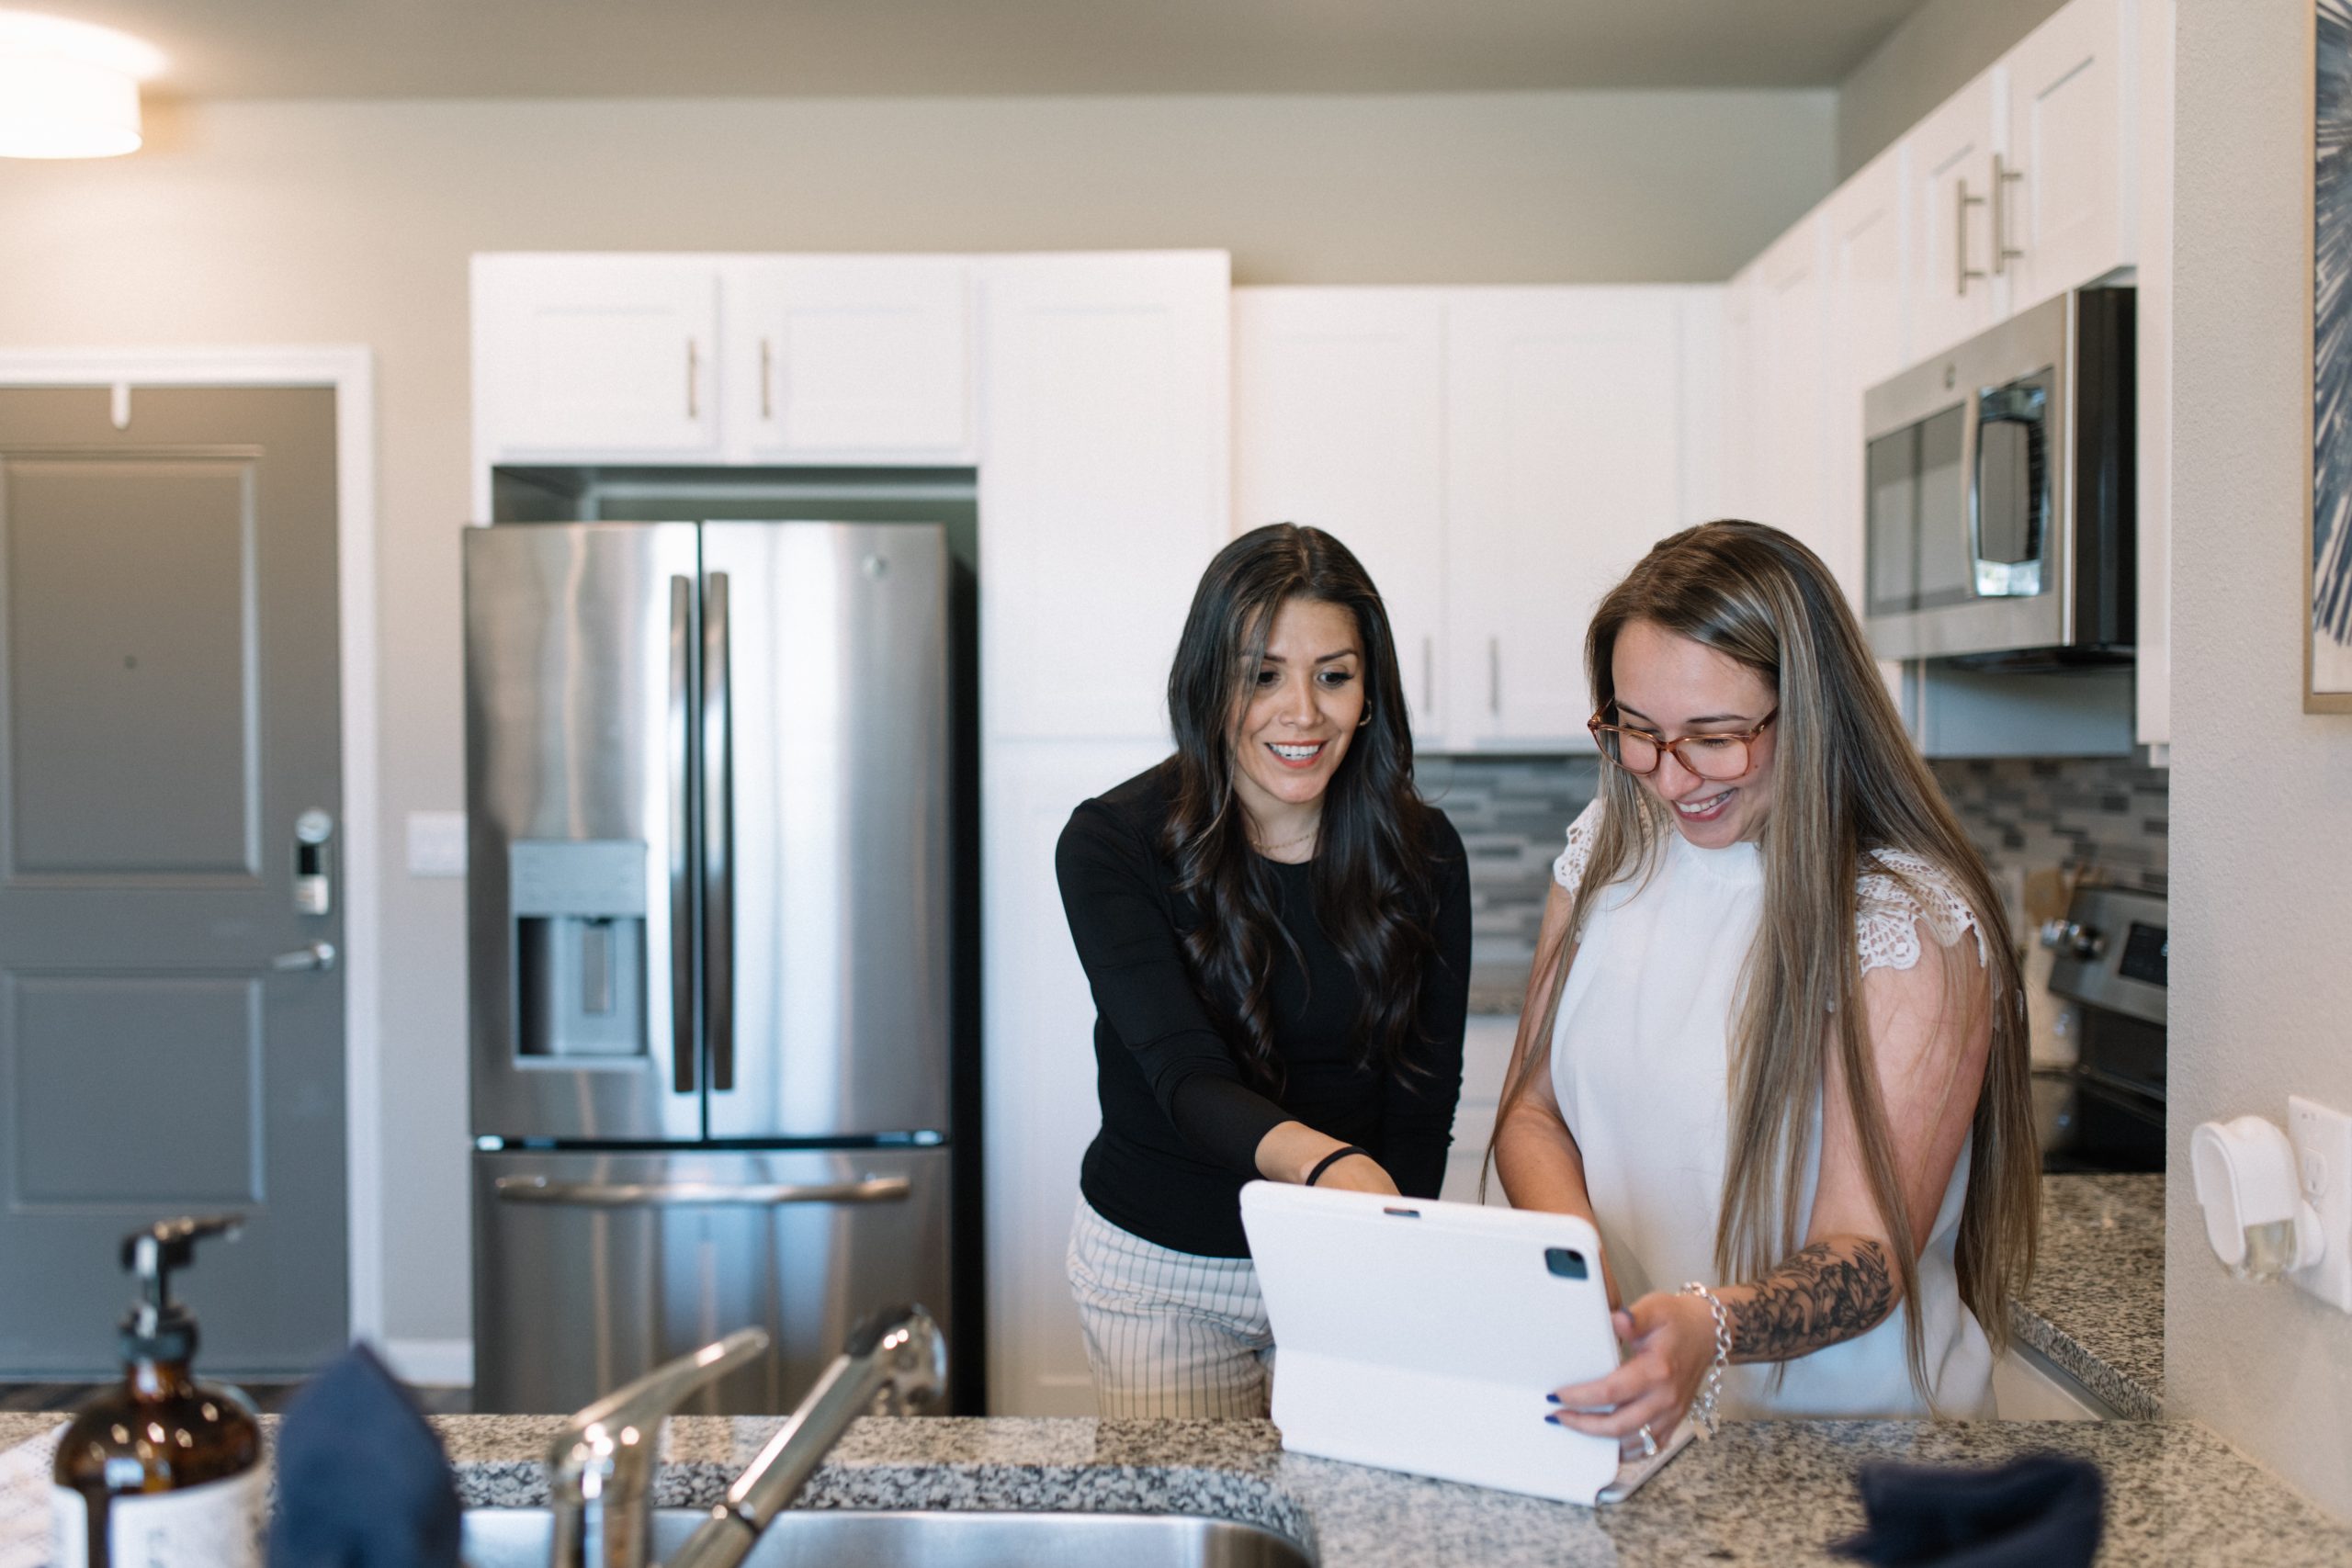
(759, 47)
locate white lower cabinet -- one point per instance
(1038, 1067)
(2027, 1388)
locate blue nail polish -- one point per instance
(1552, 1397)
(1555, 1418)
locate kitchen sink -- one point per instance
(831, 1538)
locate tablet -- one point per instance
(1420, 1335)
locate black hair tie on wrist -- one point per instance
(1334, 1157)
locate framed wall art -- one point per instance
(2327, 657)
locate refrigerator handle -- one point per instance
(682, 899)
(717, 836)
(698, 1194)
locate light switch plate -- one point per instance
(436, 844)
(2322, 1140)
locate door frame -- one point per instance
(349, 370)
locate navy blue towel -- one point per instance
(362, 1481)
(2040, 1511)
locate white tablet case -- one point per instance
(1420, 1335)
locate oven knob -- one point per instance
(2088, 944)
(2054, 933)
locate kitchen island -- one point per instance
(1762, 1493)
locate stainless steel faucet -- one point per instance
(896, 1357)
(600, 1470)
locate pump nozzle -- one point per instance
(158, 1327)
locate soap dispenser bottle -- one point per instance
(164, 1471)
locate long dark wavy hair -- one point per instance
(1373, 876)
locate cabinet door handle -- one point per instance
(2003, 178)
(1429, 676)
(767, 367)
(1960, 234)
(1494, 676)
(694, 379)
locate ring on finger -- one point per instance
(1649, 1443)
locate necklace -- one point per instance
(1267, 849)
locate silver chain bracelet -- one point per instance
(1703, 1409)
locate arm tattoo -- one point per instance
(1829, 1292)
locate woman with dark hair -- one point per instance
(1774, 1044)
(1276, 927)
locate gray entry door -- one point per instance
(168, 717)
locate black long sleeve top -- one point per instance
(1181, 1120)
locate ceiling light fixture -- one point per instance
(69, 89)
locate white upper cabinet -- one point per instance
(605, 357)
(2066, 216)
(1563, 410)
(1105, 484)
(1340, 423)
(1790, 315)
(1954, 292)
(854, 360)
(723, 359)
(1866, 331)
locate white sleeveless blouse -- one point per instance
(1641, 1065)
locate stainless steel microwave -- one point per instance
(1999, 477)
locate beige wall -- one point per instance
(2261, 866)
(1937, 51)
(294, 222)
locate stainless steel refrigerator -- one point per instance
(709, 910)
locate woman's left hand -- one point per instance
(1670, 1343)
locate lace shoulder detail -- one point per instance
(1569, 870)
(1896, 894)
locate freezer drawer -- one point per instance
(591, 1268)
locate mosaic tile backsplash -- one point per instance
(2025, 813)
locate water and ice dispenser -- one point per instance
(578, 909)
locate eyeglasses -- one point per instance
(1715, 757)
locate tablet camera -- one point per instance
(1564, 1262)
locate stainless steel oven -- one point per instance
(2113, 963)
(1999, 477)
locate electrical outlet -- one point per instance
(436, 844)
(2322, 1140)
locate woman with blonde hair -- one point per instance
(1774, 1045)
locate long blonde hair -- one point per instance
(1847, 782)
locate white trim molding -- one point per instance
(349, 369)
(431, 1363)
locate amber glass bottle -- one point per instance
(163, 1470)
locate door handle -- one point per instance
(694, 379)
(680, 747)
(718, 837)
(318, 956)
(700, 1194)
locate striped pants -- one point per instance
(1168, 1333)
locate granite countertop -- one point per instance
(2096, 1306)
(1771, 1493)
